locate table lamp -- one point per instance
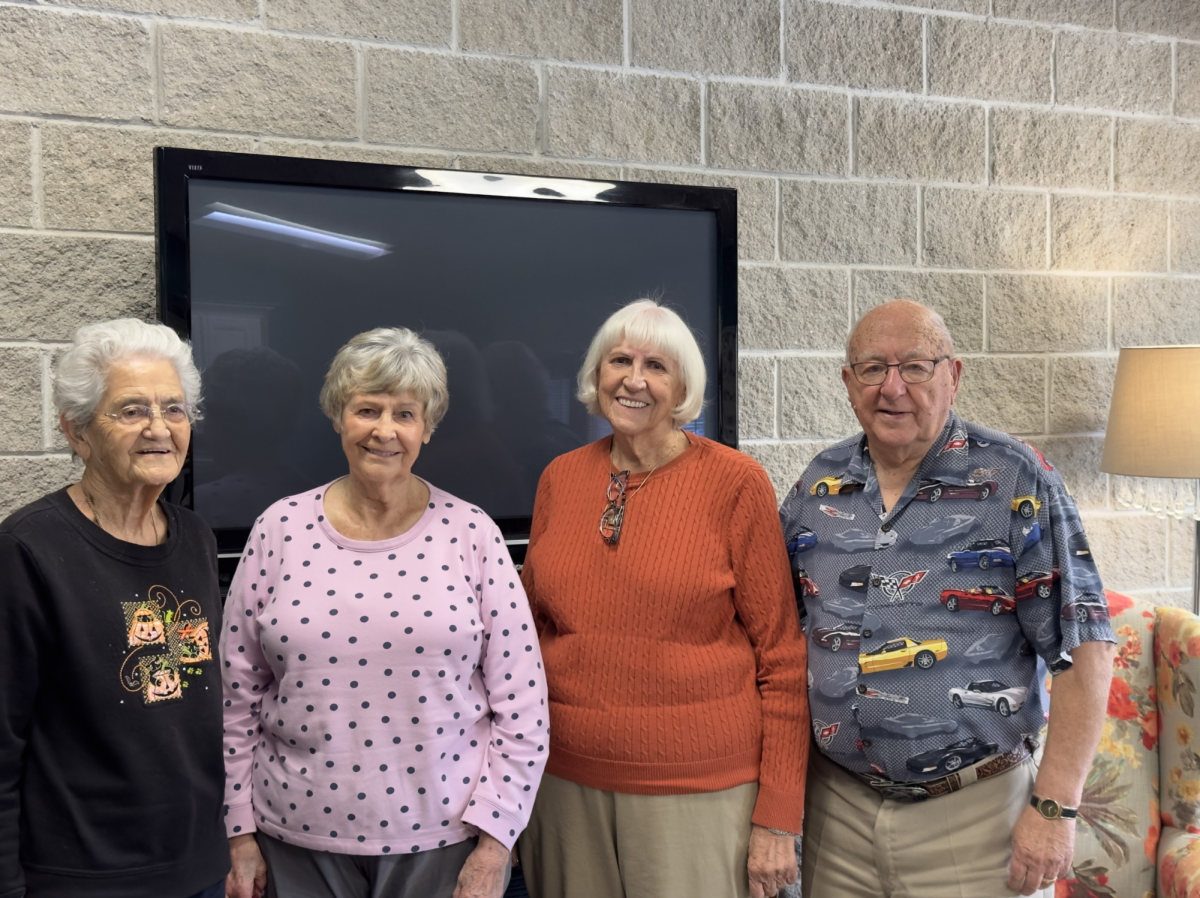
(1154, 431)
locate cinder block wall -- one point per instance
(1031, 168)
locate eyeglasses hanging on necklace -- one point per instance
(614, 513)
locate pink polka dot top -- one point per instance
(380, 696)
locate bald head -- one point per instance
(901, 316)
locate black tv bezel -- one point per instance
(175, 167)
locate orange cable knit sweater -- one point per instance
(674, 660)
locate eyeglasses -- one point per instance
(913, 371)
(143, 415)
(614, 513)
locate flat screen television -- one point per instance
(269, 265)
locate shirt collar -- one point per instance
(947, 461)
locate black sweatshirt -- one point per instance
(111, 773)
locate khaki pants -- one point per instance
(587, 843)
(859, 845)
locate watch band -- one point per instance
(782, 832)
(1051, 809)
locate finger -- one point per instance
(1016, 875)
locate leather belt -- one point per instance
(959, 779)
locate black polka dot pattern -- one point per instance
(385, 713)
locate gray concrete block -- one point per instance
(1113, 71)
(258, 83)
(1031, 148)
(411, 22)
(1185, 237)
(44, 280)
(756, 204)
(1004, 393)
(101, 178)
(494, 101)
(568, 30)
(1044, 313)
(1089, 13)
(1157, 157)
(984, 229)
(784, 462)
(740, 38)
(83, 65)
(958, 298)
(631, 118)
(1170, 598)
(777, 129)
(1187, 80)
(1108, 233)
(916, 140)
(21, 400)
(1130, 549)
(1182, 547)
(24, 480)
(969, 58)
(849, 223)
(1171, 18)
(16, 176)
(793, 308)
(1080, 393)
(856, 46)
(756, 397)
(225, 10)
(1155, 312)
(813, 400)
(1078, 461)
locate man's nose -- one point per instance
(893, 384)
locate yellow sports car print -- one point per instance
(903, 652)
(1027, 506)
(833, 486)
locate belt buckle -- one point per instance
(903, 792)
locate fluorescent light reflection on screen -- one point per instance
(231, 218)
(518, 186)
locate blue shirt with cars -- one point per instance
(925, 622)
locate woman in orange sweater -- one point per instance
(674, 659)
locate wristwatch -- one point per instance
(1051, 809)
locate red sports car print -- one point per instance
(979, 598)
(1036, 583)
(933, 490)
(837, 638)
(1086, 610)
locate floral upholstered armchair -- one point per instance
(1138, 834)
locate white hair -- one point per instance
(646, 323)
(389, 360)
(82, 374)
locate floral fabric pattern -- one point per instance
(1139, 820)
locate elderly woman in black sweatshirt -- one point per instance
(111, 774)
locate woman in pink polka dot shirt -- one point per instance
(385, 705)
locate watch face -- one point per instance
(1049, 808)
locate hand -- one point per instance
(483, 872)
(1042, 850)
(772, 862)
(247, 876)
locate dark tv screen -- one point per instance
(509, 289)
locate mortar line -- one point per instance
(987, 146)
(783, 58)
(47, 405)
(37, 218)
(777, 385)
(704, 123)
(778, 220)
(454, 27)
(852, 296)
(541, 142)
(920, 224)
(1046, 396)
(1053, 68)
(1112, 155)
(1170, 234)
(156, 85)
(852, 140)
(1174, 74)
(58, 453)
(984, 336)
(1049, 232)
(1111, 335)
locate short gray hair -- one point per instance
(390, 360)
(646, 323)
(82, 374)
(935, 324)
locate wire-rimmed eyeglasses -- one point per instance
(143, 415)
(614, 512)
(912, 371)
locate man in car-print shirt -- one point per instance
(936, 561)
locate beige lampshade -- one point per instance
(1154, 419)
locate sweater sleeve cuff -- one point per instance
(779, 810)
(494, 820)
(239, 820)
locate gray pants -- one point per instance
(294, 872)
